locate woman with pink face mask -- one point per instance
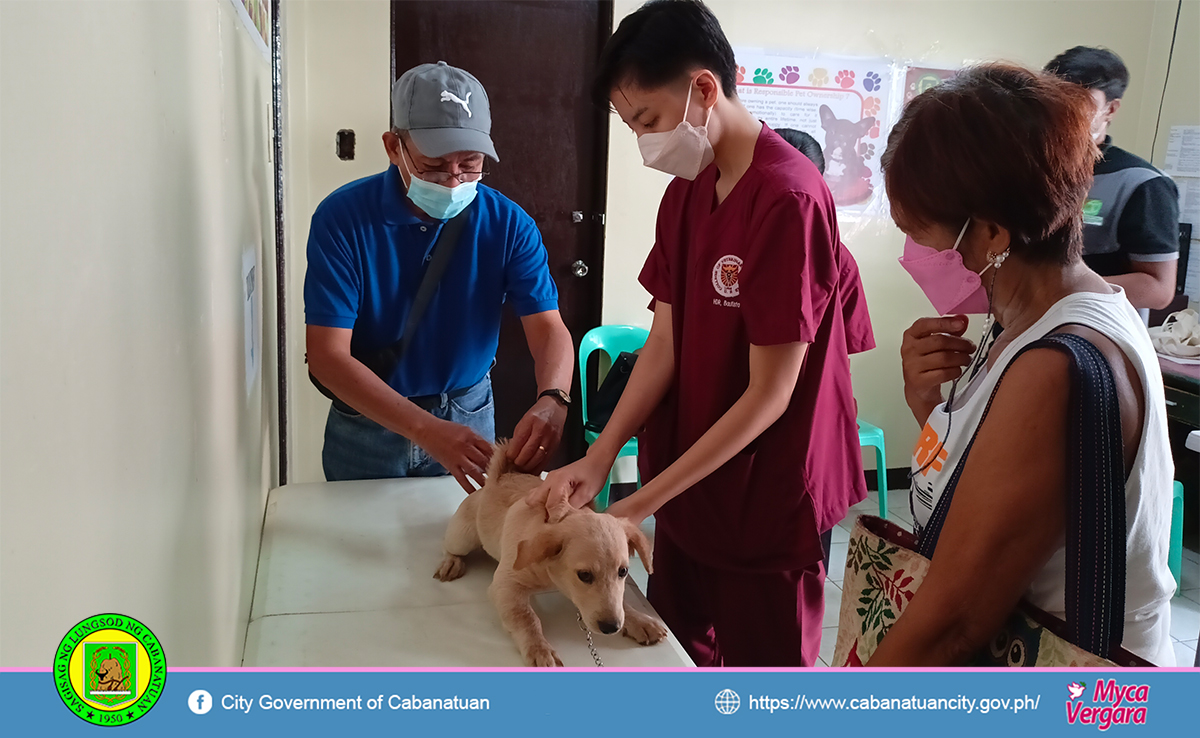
(1013, 495)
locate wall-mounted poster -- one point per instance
(846, 104)
(919, 79)
(256, 19)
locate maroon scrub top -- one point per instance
(764, 267)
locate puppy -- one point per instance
(581, 553)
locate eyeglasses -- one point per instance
(438, 177)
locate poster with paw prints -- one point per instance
(848, 105)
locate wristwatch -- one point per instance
(559, 396)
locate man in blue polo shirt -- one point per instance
(368, 249)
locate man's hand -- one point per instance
(576, 484)
(461, 450)
(933, 352)
(537, 435)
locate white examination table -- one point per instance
(345, 578)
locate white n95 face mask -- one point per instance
(683, 152)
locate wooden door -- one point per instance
(536, 61)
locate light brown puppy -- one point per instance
(583, 554)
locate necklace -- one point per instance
(591, 646)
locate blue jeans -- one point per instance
(357, 447)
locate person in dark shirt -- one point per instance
(1131, 215)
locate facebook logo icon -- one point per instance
(200, 701)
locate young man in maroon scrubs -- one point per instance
(748, 441)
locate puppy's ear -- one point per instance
(544, 545)
(557, 509)
(638, 543)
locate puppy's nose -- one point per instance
(608, 627)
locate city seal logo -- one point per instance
(725, 275)
(110, 669)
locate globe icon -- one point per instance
(727, 702)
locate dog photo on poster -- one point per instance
(846, 104)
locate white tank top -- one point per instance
(1149, 584)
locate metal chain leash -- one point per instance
(591, 646)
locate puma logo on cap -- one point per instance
(448, 96)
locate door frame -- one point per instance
(573, 442)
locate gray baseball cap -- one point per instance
(444, 109)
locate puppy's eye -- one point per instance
(622, 572)
(585, 577)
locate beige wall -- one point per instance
(935, 33)
(134, 172)
(337, 61)
(1181, 105)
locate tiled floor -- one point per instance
(1185, 607)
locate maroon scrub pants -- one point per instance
(732, 618)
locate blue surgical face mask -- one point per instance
(438, 201)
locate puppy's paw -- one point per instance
(542, 655)
(452, 567)
(643, 629)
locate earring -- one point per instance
(995, 260)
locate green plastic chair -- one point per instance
(612, 340)
(1175, 552)
(870, 435)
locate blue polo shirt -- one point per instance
(367, 252)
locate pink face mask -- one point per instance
(941, 275)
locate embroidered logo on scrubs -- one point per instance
(110, 670)
(725, 276)
(1091, 212)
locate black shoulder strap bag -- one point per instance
(608, 394)
(385, 360)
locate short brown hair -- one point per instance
(1000, 143)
